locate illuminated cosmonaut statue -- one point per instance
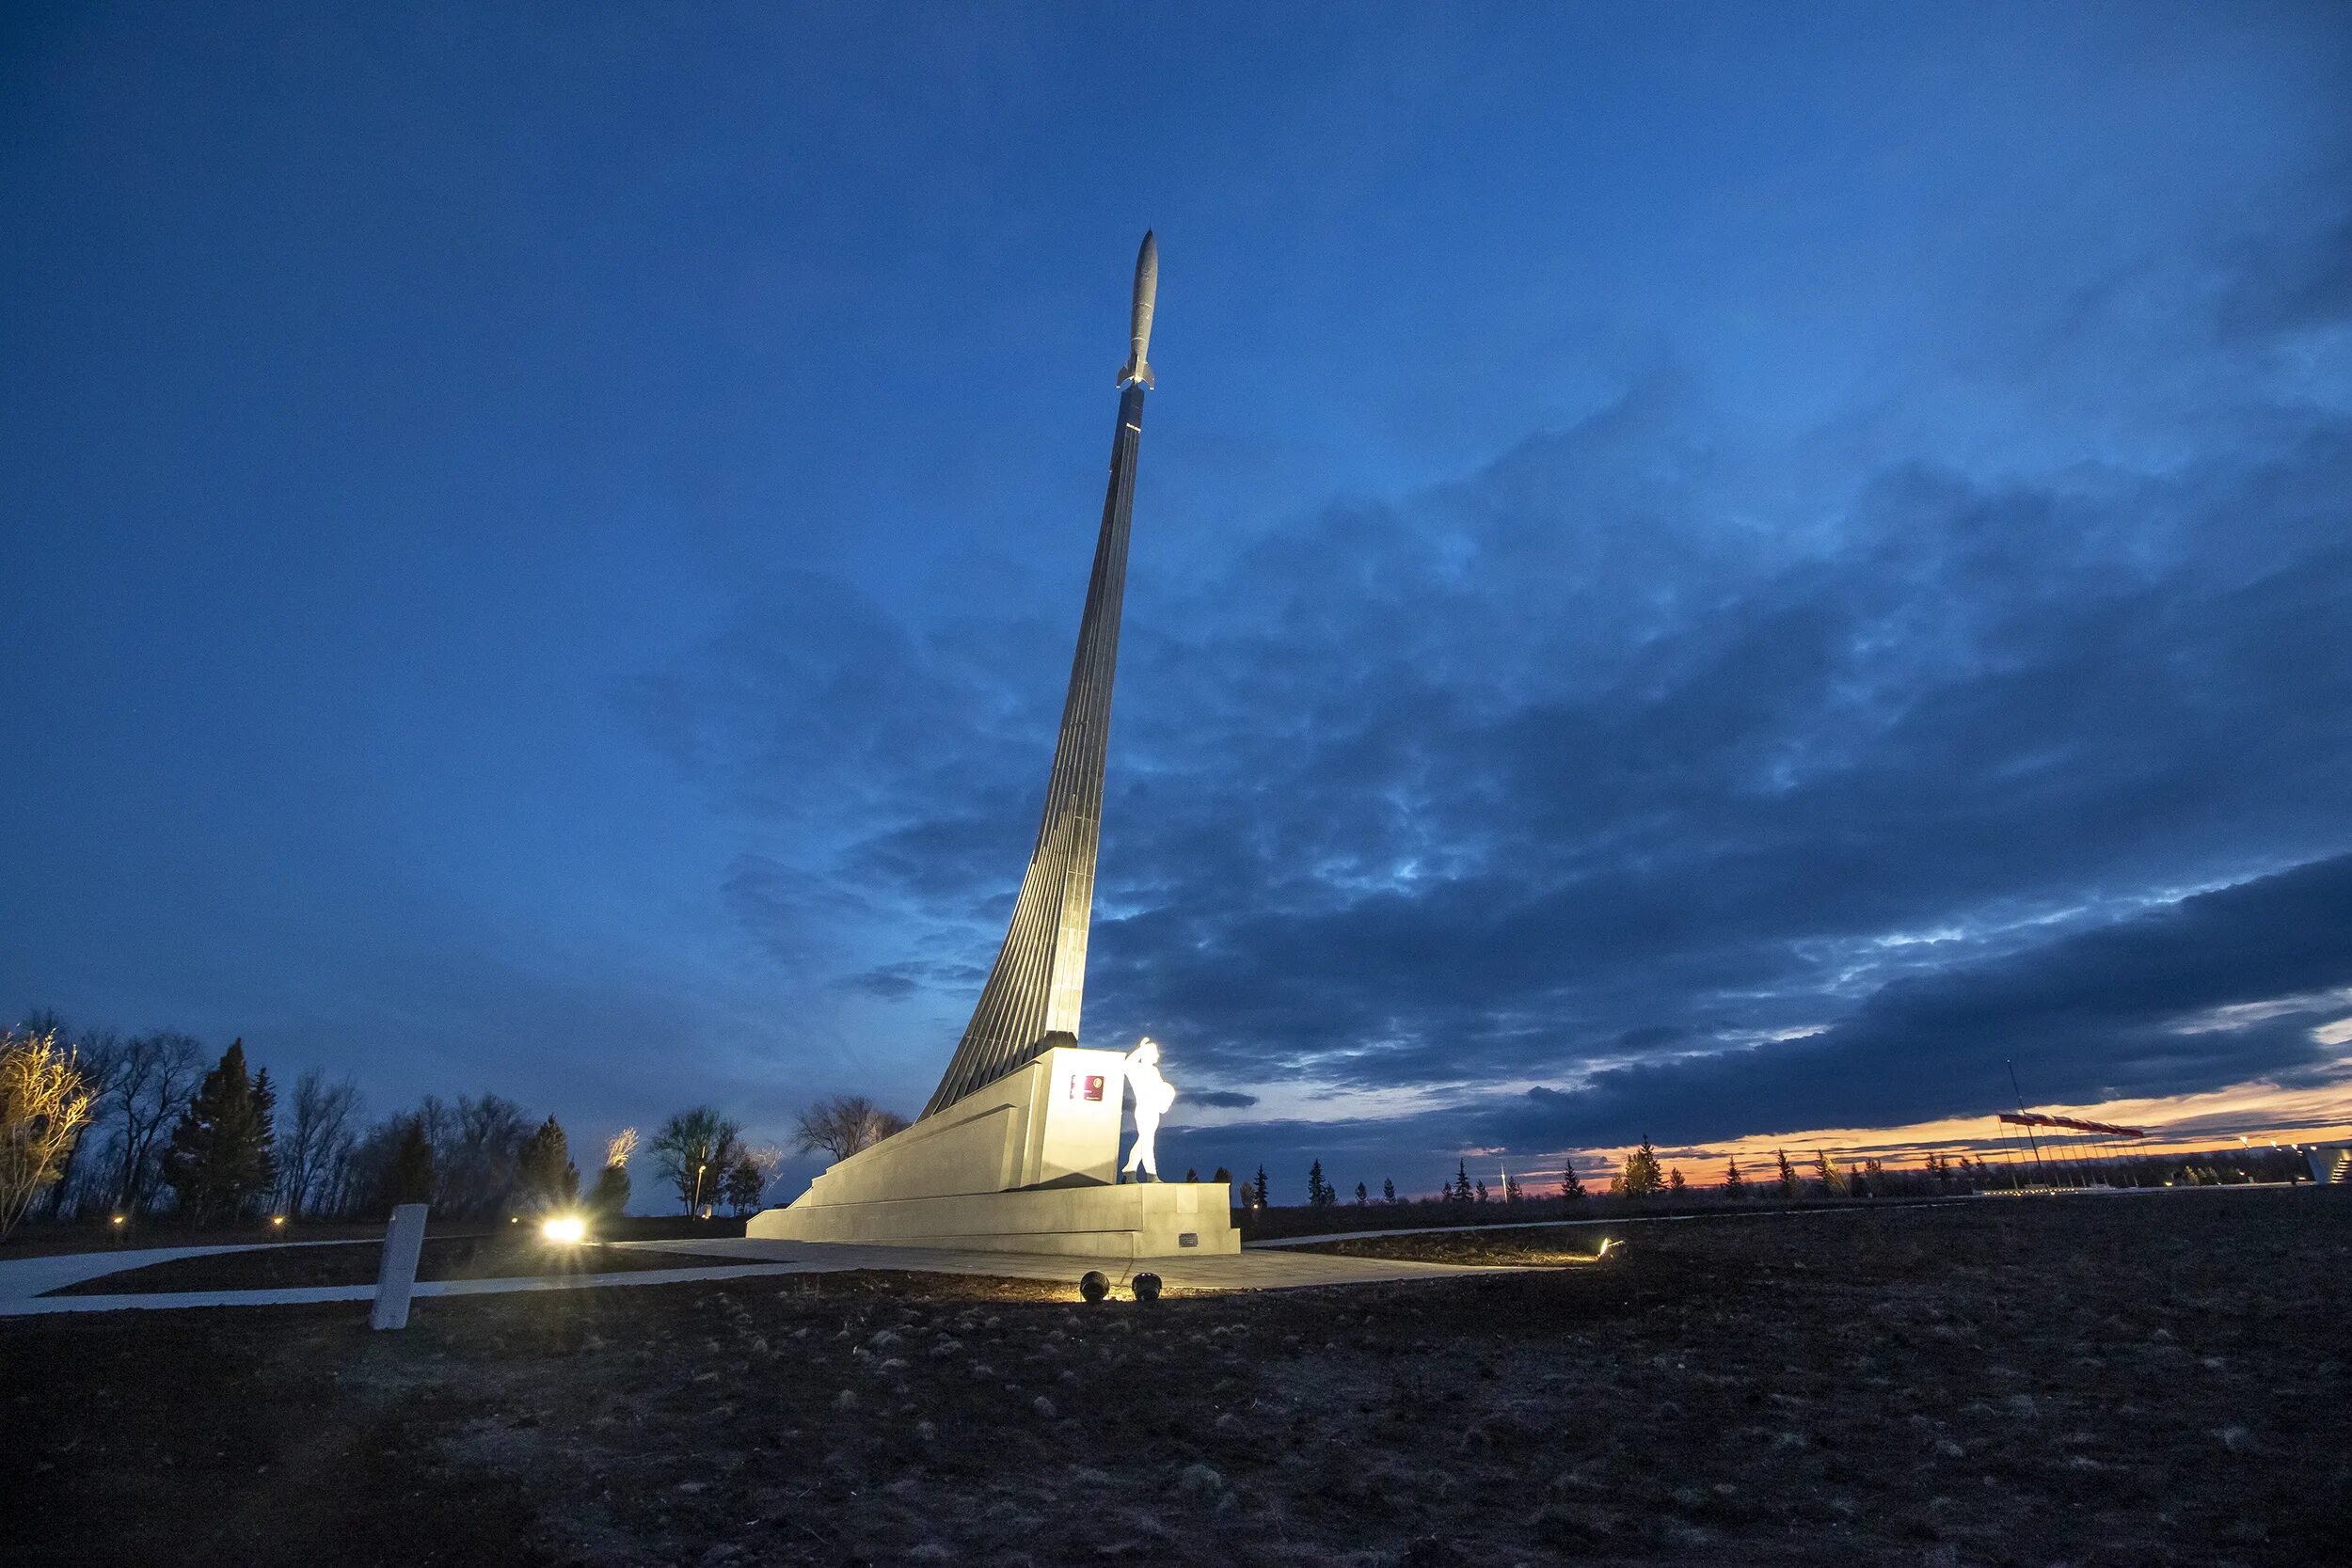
(1153, 1096)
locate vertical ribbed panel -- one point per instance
(1039, 983)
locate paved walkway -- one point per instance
(1249, 1271)
(1267, 1265)
(23, 1277)
(24, 1282)
(22, 1306)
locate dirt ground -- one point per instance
(514, 1255)
(2088, 1381)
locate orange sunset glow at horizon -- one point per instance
(2260, 1113)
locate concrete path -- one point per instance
(1248, 1272)
(302, 1295)
(22, 1278)
(24, 1281)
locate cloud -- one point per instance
(2300, 282)
(890, 984)
(1989, 711)
(1646, 766)
(2131, 1004)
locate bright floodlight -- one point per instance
(564, 1228)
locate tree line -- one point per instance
(97, 1124)
(1644, 1174)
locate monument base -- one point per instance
(1027, 1164)
(1158, 1219)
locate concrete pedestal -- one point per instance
(1155, 1220)
(1026, 1163)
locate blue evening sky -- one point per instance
(1698, 570)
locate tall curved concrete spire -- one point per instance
(1034, 994)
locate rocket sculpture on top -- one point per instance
(1031, 1000)
(1139, 367)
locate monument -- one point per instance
(1018, 1149)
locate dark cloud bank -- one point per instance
(1638, 784)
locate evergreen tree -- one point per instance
(1388, 1191)
(1874, 1175)
(1260, 1186)
(1734, 1186)
(1674, 1181)
(223, 1151)
(1787, 1179)
(745, 1183)
(1642, 1176)
(609, 1198)
(549, 1178)
(1939, 1176)
(1362, 1197)
(1510, 1188)
(1460, 1191)
(1833, 1185)
(1222, 1177)
(1319, 1193)
(1192, 1175)
(409, 1178)
(1482, 1191)
(1571, 1185)
(265, 1117)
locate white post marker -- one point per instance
(402, 1244)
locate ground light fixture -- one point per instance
(564, 1229)
(1093, 1285)
(1146, 1287)
(277, 1222)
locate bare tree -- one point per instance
(767, 1159)
(479, 1158)
(319, 1128)
(335, 1189)
(153, 1080)
(43, 1106)
(844, 1125)
(750, 1177)
(81, 1172)
(693, 1150)
(364, 1173)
